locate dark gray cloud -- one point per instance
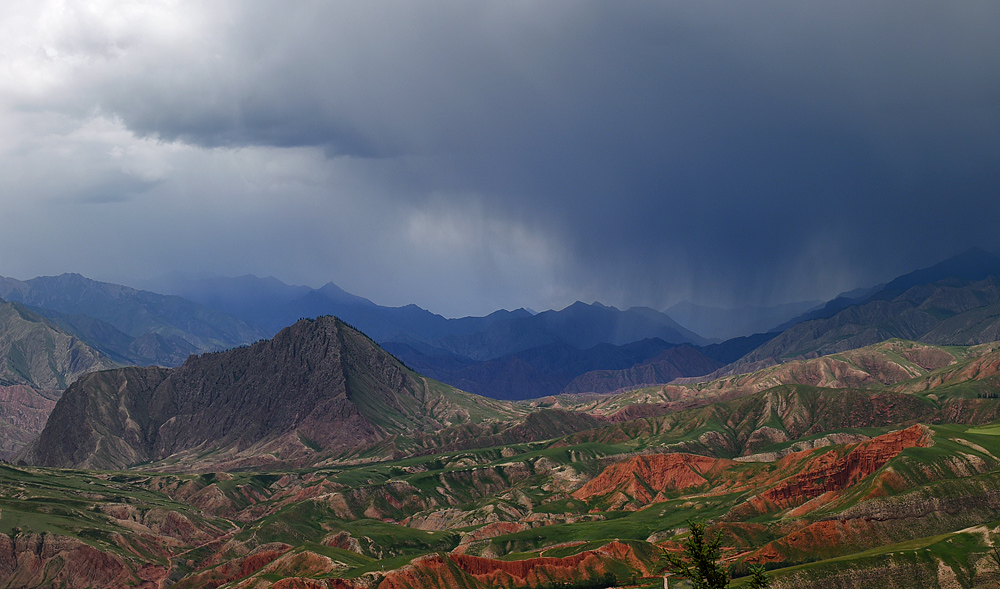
(508, 153)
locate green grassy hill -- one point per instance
(871, 468)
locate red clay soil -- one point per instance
(35, 560)
(306, 583)
(535, 571)
(300, 583)
(257, 561)
(493, 530)
(820, 538)
(428, 572)
(829, 472)
(236, 568)
(435, 571)
(662, 472)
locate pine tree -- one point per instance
(700, 562)
(758, 580)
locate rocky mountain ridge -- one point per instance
(138, 326)
(318, 386)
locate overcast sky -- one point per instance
(468, 156)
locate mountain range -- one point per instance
(716, 323)
(315, 459)
(951, 311)
(317, 386)
(130, 325)
(512, 354)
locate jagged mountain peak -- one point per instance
(318, 386)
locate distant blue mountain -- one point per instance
(971, 265)
(550, 369)
(130, 325)
(724, 324)
(273, 305)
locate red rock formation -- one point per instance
(425, 573)
(829, 472)
(459, 569)
(305, 583)
(661, 472)
(237, 568)
(46, 560)
(493, 530)
(536, 571)
(299, 583)
(819, 538)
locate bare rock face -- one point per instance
(461, 570)
(667, 472)
(830, 473)
(36, 353)
(319, 385)
(23, 411)
(46, 560)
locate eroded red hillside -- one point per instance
(660, 472)
(830, 472)
(458, 569)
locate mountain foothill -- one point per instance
(241, 432)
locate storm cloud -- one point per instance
(470, 156)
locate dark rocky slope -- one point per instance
(318, 387)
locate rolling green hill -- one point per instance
(872, 467)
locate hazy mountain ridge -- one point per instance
(273, 304)
(725, 324)
(545, 370)
(971, 265)
(936, 312)
(132, 312)
(671, 364)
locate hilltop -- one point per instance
(317, 388)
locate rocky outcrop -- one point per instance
(47, 560)
(318, 386)
(635, 476)
(23, 411)
(830, 472)
(462, 570)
